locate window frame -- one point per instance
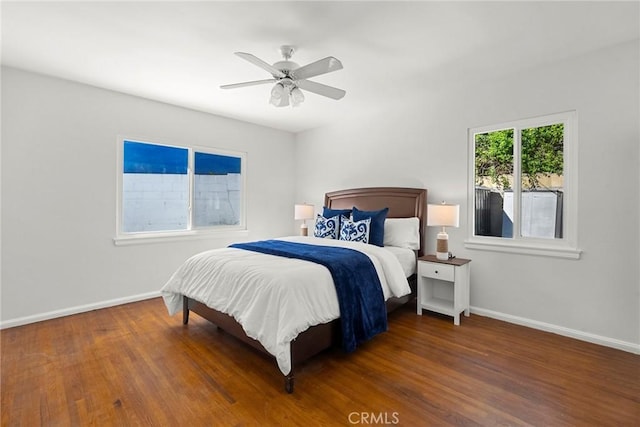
(126, 238)
(565, 247)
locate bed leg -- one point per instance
(185, 310)
(288, 383)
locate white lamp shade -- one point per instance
(304, 212)
(443, 215)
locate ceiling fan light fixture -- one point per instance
(277, 95)
(297, 97)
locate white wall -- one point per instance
(57, 248)
(422, 141)
(59, 144)
(160, 201)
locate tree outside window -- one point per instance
(519, 175)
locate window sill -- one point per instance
(162, 237)
(515, 248)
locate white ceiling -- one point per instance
(181, 52)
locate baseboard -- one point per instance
(560, 330)
(548, 327)
(75, 310)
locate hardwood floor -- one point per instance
(135, 365)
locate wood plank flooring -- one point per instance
(134, 365)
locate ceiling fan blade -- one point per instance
(322, 66)
(260, 63)
(321, 89)
(245, 84)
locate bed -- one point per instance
(401, 202)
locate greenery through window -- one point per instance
(519, 182)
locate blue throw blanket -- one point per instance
(363, 312)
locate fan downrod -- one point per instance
(287, 51)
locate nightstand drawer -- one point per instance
(437, 271)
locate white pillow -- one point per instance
(402, 232)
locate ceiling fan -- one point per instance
(290, 78)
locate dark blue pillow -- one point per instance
(330, 213)
(376, 233)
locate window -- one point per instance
(167, 190)
(522, 195)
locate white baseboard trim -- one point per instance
(548, 327)
(75, 310)
(560, 330)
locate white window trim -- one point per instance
(567, 246)
(122, 238)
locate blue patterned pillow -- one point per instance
(354, 231)
(377, 223)
(327, 228)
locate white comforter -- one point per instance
(273, 298)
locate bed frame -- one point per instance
(402, 203)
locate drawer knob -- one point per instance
(436, 271)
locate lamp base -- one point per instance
(304, 230)
(442, 246)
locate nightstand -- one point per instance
(434, 276)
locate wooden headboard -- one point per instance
(402, 203)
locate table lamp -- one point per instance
(303, 212)
(443, 215)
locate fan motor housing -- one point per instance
(286, 66)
